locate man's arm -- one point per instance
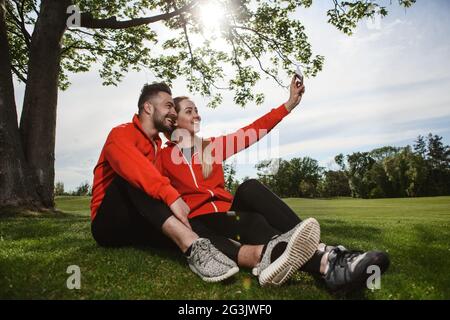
(179, 208)
(128, 162)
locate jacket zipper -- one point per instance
(212, 202)
(195, 180)
(190, 168)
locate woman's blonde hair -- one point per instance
(204, 146)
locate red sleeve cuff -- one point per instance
(282, 111)
(169, 194)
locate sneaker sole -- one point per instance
(227, 275)
(300, 249)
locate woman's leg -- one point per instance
(249, 228)
(223, 243)
(242, 226)
(253, 196)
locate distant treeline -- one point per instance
(387, 172)
(84, 189)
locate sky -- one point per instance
(384, 85)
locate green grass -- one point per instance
(35, 251)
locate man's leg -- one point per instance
(179, 233)
(250, 255)
(119, 222)
(128, 214)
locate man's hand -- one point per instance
(297, 90)
(181, 210)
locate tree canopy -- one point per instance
(262, 39)
(43, 42)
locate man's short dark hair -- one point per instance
(151, 90)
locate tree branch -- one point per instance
(76, 46)
(257, 57)
(191, 53)
(20, 23)
(88, 21)
(235, 56)
(337, 6)
(274, 44)
(34, 8)
(18, 74)
(90, 34)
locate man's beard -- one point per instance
(159, 120)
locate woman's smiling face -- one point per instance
(188, 117)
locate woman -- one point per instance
(255, 228)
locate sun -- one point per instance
(211, 15)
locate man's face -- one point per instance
(164, 115)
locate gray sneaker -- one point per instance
(347, 270)
(328, 248)
(301, 243)
(209, 263)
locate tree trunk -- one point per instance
(16, 188)
(38, 121)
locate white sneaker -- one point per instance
(301, 241)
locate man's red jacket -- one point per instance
(129, 153)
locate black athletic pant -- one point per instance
(128, 216)
(258, 216)
(252, 195)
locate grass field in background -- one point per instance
(35, 251)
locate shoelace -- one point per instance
(202, 254)
(343, 257)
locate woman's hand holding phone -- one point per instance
(297, 89)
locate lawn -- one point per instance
(35, 251)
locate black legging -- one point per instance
(252, 195)
(128, 216)
(259, 216)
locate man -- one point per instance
(133, 204)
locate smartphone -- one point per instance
(299, 75)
